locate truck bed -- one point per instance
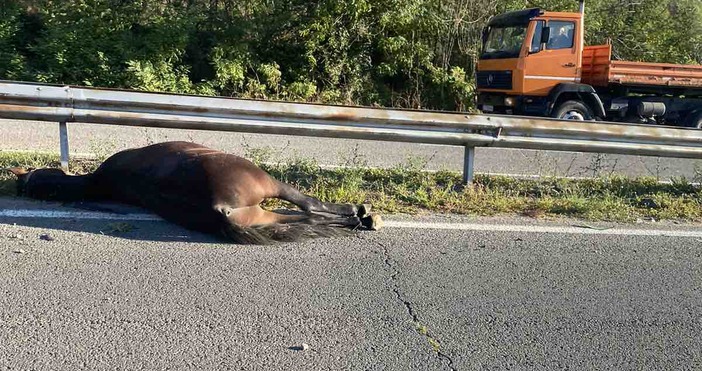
(600, 70)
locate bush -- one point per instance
(401, 53)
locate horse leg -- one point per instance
(255, 225)
(311, 204)
(252, 216)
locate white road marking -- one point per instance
(54, 214)
(541, 229)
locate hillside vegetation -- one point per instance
(394, 53)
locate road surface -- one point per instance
(79, 290)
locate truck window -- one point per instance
(504, 42)
(561, 35)
(536, 38)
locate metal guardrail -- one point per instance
(66, 104)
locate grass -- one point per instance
(409, 189)
(424, 331)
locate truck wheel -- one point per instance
(573, 110)
(695, 120)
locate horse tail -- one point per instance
(289, 232)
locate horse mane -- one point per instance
(289, 232)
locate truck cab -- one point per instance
(525, 55)
(535, 63)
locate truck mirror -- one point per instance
(545, 35)
(485, 34)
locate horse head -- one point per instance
(48, 184)
(22, 175)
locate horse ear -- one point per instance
(18, 171)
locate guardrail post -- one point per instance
(468, 158)
(63, 141)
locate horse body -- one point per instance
(176, 180)
(201, 189)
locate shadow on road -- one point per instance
(111, 219)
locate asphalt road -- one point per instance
(80, 293)
(105, 139)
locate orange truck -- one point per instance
(535, 63)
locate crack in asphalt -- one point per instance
(421, 329)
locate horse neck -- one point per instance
(58, 186)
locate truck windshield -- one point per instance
(504, 42)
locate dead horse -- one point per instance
(201, 189)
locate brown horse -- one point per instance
(201, 189)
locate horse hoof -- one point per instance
(372, 222)
(363, 210)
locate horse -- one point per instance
(201, 189)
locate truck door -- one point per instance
(557, 62)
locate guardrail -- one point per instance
(65, 104)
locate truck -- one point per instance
(534, 63)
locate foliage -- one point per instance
(403, 53)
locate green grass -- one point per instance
(424, 331)
(408, 189)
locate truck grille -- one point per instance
(494, 79)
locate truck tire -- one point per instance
(573, 110)
(695, 120)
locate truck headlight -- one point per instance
(510, 101)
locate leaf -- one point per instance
(121, 227)
(591, 227)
